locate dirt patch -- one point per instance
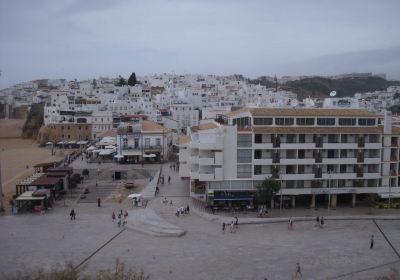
(11, 128)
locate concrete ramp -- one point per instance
(148, 222)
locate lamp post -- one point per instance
(329, 189)
(280, 183)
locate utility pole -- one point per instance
(1, 192)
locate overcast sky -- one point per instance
(91, 38)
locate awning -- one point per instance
(149, 156)
(109, 147)
(49, 143)
(233, 198)
(72, 142)
(106, 152)
(91, 148)
(392, 195)
(119, 156)
(134, 195)
(28, 196)
(132, 153)
(82, 142)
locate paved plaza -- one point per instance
(340, 250)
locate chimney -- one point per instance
(387, 127)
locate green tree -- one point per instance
(121, 82)
(267, 190)
(132, 79)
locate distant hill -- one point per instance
(34, 121)
(321, 87)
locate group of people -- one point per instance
(162, 179)
(233, 226)
(182, 210)
(122, 217)
(174, 166)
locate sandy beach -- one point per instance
(18, 156)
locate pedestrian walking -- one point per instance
(187, 209)
(317, 220)
(223, 227)
(169, 180)
(232, 227)
(290, 226)
(119, 219)
(113, 217)
(371, 246)
(98, 202)
(236, 222)
(298, 271)
(72, 214)
(126, 213)
(322, 221)
(170, 203)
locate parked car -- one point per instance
(129, 184)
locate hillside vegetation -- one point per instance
(34, 121)
(321, 87)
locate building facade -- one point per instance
(314, 153)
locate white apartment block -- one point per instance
(185, 115)
(315, 153)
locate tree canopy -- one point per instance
(267, 190)
(132, 79)
(121, 82)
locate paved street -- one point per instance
(253, 252)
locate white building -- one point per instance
(315, 153)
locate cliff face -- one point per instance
(34, 121)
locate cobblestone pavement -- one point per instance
(340, 249)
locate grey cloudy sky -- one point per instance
(85, 39)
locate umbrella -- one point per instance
(91, 148)
(119, 156)
(149, 156)
(49, 143)
(134, 195)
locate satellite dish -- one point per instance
(333, 93)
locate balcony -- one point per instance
(262, 161)
(318, 159)
(194, 175)
(206, 176)
(393, 158)
(305, 176)
(217, 145)
(392, 173)
(262, 145)
(206, 161)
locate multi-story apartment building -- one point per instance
(315, 153)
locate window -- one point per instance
(262, 121)
(244, 171)
(158, 142)
(147, 142)
(291, 138)
(305, 121)
(366, 122)
(347, 122)
(302, 138)
(242, 122)
(343, 168)
(244, 156)
(244, 140)
(257, 169)
(284, 121)
(62, 127)
(326, 121)
(344, 138)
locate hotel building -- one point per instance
(343, 153)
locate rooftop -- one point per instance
(260, 112)
(205, 126)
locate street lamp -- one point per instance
(280, 183)
(329, 189)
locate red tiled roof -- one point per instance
(44, 180)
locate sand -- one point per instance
(17, 154)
